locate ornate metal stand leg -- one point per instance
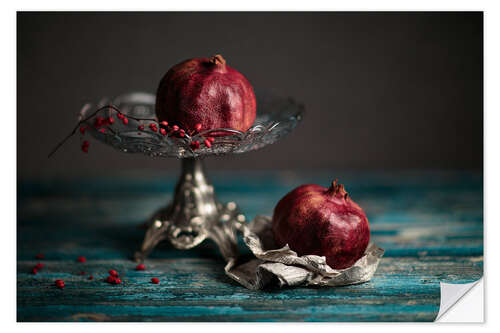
(194, 215)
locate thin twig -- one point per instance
(89, 117)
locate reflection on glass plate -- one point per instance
(276, 117)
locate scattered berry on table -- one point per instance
(155, 280)
(81, 259)
(59, 284)
(140, 267)
(112, 272)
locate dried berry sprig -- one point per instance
(103, 125)
(83, 121)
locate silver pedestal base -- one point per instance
(193, 216)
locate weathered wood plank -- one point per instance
(429, 223)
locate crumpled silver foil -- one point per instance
(283, 267)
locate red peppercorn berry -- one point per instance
(155, 280)
(111, 120)
(125, 121)
(112, 272)
(102, 130)
(211, 139)
(110, 279)
(82, 129)
(164, 123)
(81, 259)
(153, 127)
(59, 284)
(82, 273)
(207, 143)
(163, 131)
(175, 128)
(39, 266)
(197, 127)
(91, 277)
(34, 271)
(85, 146)
(195, 145)
(140, 127)
(140, 267)
(117, 281)
(40, 256)
(98, 122)
(120, 115)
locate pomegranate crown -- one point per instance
(217, 59)
(337, 190)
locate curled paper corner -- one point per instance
(282, 266)
(461, 302)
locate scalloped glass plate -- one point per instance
(276, 117)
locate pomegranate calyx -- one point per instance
(337, 190)
(218, 59)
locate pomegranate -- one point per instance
(322, 221)
(206, 91)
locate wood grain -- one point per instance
(429, 223)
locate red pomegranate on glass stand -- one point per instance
(206, 92)
(203, 107)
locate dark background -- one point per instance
(381, 90)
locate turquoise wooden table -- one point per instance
(429, 223)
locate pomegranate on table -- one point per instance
(315, 220)
(206, 91)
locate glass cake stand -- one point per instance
(194, 213)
